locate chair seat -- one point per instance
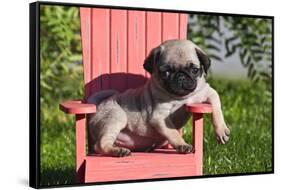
(161, 163)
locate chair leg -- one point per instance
(80, 147)
(197, 121)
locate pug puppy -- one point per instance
(148, 117)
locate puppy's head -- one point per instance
(177, 65)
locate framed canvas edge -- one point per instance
(34, 96)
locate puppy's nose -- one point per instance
(181, 79)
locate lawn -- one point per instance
(248, 113)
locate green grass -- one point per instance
(248, 113)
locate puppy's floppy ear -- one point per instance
(204, 59)
(152, 59)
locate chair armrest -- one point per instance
(199, 108)
(77, 107)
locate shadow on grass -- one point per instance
(57, 177)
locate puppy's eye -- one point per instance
(166, 73)
(195, 71)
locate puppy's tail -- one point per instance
(98, 97)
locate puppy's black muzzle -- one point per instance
(185, 81)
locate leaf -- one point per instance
(257, 58)
(257, 51)
(253, 74)
(250, 70)
(257, 79)
(216, 57)
(74, 58)
(230, 49)
(255, 44)
(213, 39)
(43, 84)
(213, 47)
(230, 40)
(251, 36)
(249, 59)
(265, 75)
(246, 61)
(242, 53)
(263, 39)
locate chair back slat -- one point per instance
(153, 31)
(136, 47)
(170, 26)
(115, 43)
(118, 36)
(85, 19)
(101, 47)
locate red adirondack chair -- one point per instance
(115, 43)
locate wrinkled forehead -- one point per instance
(180, 54)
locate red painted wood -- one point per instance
(100, 48)
(153, 31)
(199, 108)
(183, 26)
(197, 122)
(118, 48)
(85, 18)
(77, 107)
(161, 163)
(80, 147)
(97, 53)
(170, 26)
(136, 46)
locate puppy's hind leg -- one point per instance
(110, 130)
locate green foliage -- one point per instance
(60, 60)
(61, 78)
(60, 51)
(250, 37)
(201, 30)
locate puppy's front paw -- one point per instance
(184, 148)
(122, 152)
(222, 134)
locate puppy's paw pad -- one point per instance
(122, 152)
(185, 148)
